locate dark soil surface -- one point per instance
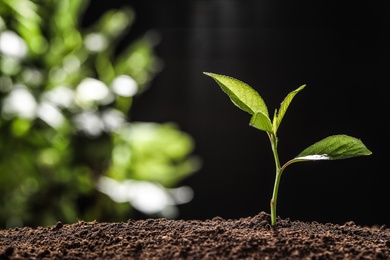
(245, 238)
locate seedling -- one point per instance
(334, 147)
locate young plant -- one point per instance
(334, 147)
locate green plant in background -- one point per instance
(66, 91)
(331, 148)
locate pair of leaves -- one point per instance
(246, 98)
(249, 100)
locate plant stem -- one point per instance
(278, 174)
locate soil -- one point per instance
(217, 238)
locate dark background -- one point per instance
(341, 51)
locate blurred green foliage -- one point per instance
(65, 96)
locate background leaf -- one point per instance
(241, 94)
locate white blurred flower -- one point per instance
(12, 45)
(20, 102)
(125, 86)
(50, 114)
(92, 90)
(95, 42)
(94, 123)
(60, 96)
(147, 197)
(89, 123)
(113, 119)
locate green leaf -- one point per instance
(261, 122)
(334, 148)
(241, 94)
(283, 107)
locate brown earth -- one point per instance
(245, 238)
